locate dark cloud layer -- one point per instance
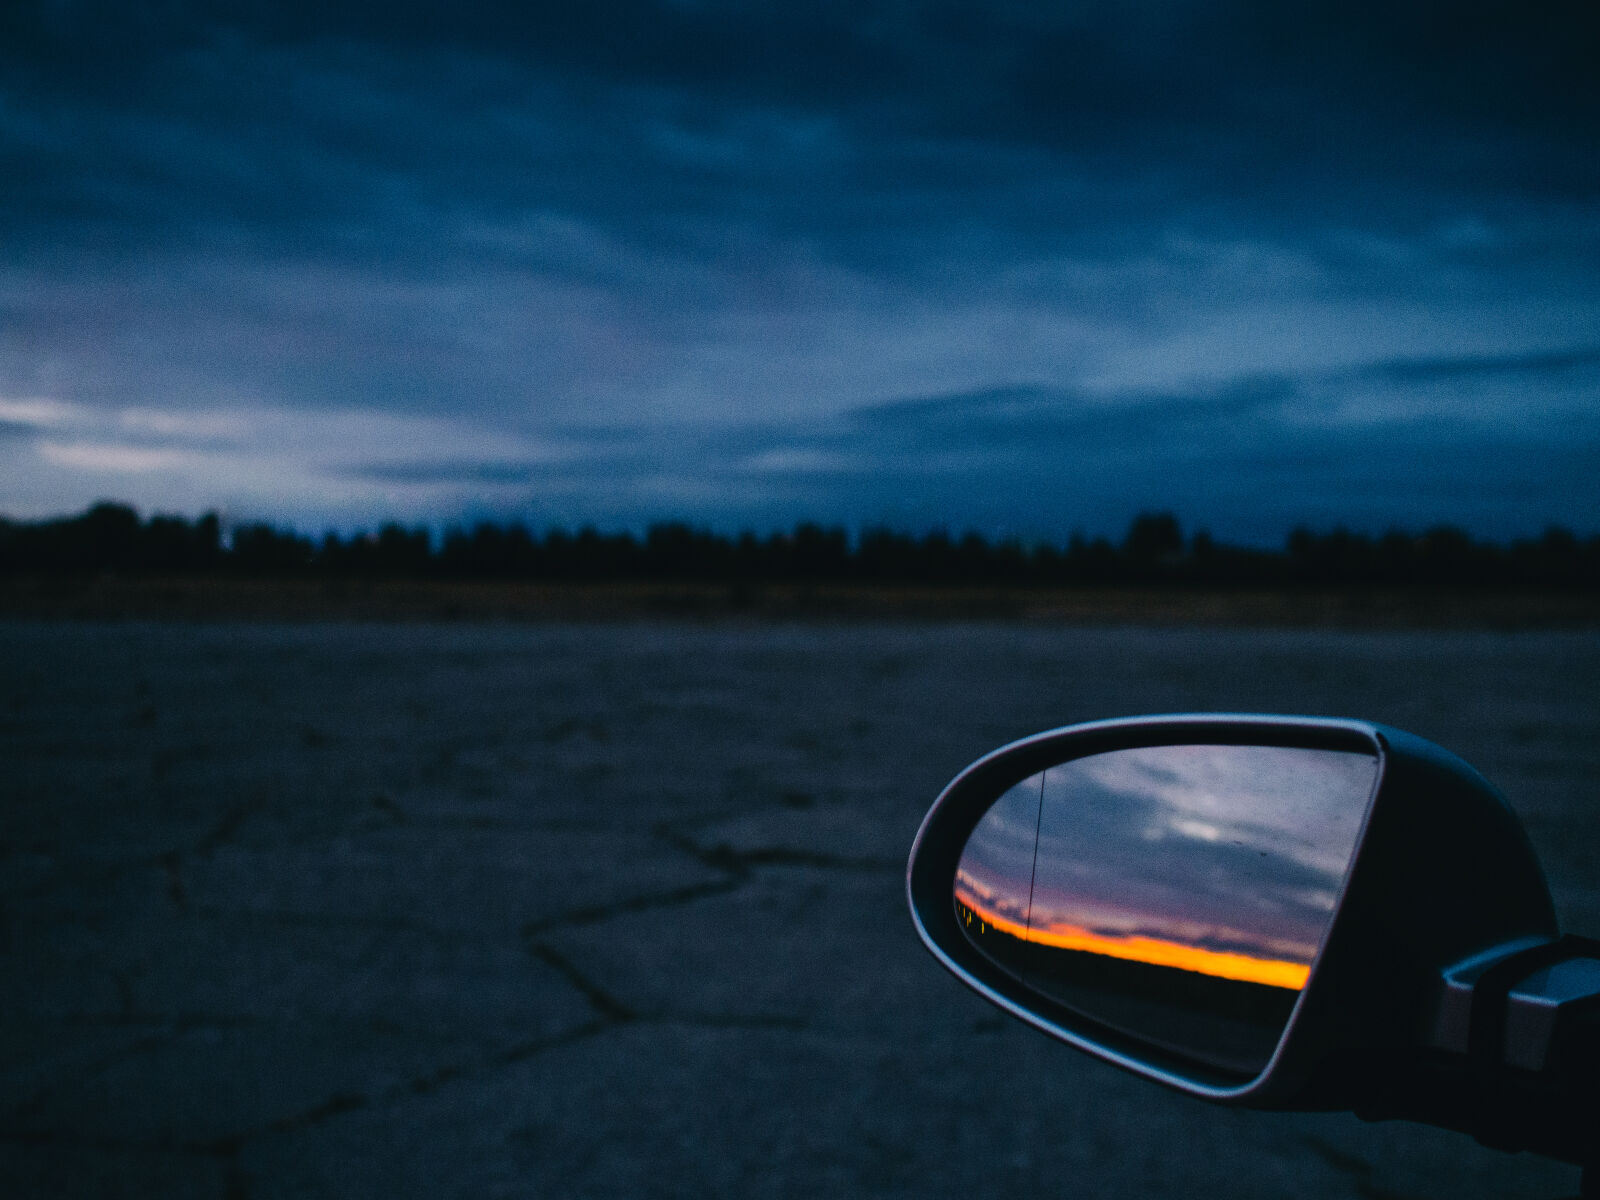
(1297, 110)
(705, 257)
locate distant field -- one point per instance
(223, 598)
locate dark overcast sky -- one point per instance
(1021, 267)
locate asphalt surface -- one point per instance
(617, 910)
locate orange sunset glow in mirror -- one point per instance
(1155, 951)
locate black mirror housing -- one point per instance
(1442, 873)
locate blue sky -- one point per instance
(1022, 268)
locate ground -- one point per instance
(617, 908)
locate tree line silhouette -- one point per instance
(112, 538)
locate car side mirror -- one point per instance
(1278, 912)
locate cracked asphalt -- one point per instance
(616, 909)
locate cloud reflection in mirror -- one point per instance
(1177, 893)
(1228, 850)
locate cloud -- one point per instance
(314, 466)
(870, 131)
(1023, 266)
(796, 460)
(447, 472)
(1532, 363)
(1031, 423)
(1250, 459)
(202, 426)
(36, 413)
(111, 458)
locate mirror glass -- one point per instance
(1174, 894)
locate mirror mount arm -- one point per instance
(1519, 1027)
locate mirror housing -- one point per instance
(1442, 880)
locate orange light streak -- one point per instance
(1155, 951)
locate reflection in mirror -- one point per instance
(1175, 894)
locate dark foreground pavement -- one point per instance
(444, 910)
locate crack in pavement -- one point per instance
(602, 1001)
(595, 913)
(568, 918)
(723, 857)
(172, 863)
(230, 1145)
(40, 1096)
(164, 1030)
(169, 860)
(345, 1102)
(224, 830)
(616, 1011)
(735, 869)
